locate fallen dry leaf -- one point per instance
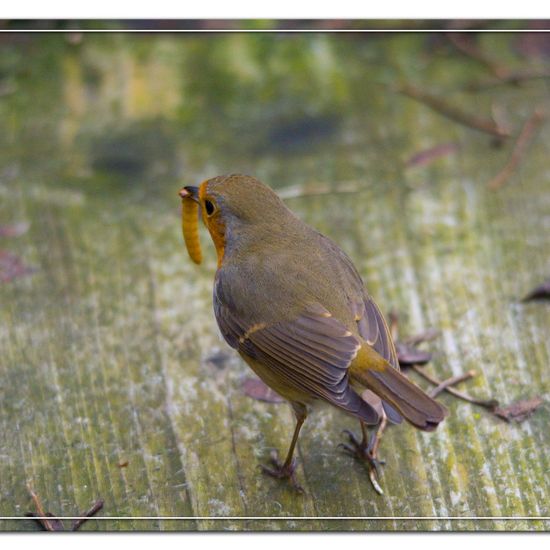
(407, 350)
(520, 410)
(13, 229)
(428, 156)
(408, 355)
(12, 267)
(255, 388)
(218, 357)
(541, 292)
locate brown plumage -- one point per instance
(290, 301)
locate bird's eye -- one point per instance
(209, 207)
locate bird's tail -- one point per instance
(390, 385)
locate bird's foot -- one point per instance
(282, 470)
(366, 452)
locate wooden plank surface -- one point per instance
(109, 349)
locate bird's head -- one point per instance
(230, 206)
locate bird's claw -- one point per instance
(363, 451)
(360, 449)
(282, 471)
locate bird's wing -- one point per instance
(310, 353)
(370, 321)
(373, 328)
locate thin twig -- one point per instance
(426, 336)
(42, 516)
(452, 112)
(487, 404)
(453, 381)
(309, 190)
(394, 324)
(51, 523)
(520, 148)
(97, 506)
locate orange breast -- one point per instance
(215, 225)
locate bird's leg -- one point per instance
(375, 439)
(287, 469)
(367, 449)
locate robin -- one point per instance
(293, 305)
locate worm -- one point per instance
(190, 228)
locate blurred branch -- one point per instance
(513, 77)
(452, 112)
(468, 47)
(520, 148)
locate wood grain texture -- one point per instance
(105, 346)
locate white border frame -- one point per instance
(283, 518)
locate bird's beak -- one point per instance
(189, 192)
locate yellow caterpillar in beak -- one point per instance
(190, 224)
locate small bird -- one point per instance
(295, 308)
